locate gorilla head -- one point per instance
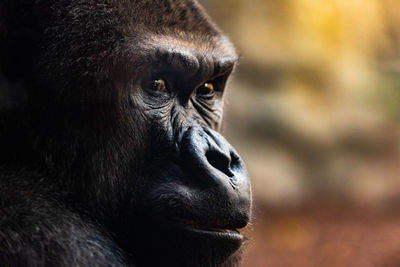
(117, 109)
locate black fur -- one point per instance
(96, 167)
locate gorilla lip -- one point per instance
(216, 227)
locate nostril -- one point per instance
(239, 224)
(220, 162)
(235, 161)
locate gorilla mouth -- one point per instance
(206, 241)
(222, 228)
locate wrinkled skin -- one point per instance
(110, 156)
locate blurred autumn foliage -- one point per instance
(314, 109)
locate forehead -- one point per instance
(104, 22)
(157, 16)
(94, 34)
(168, 15)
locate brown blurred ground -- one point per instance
(329, 237)
(314, 109)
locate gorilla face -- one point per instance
(124, 101)
(194, 188)
(197, 193)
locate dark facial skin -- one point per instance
(121, 103)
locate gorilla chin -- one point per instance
(187, 244)
(110, 152)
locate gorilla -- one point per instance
(109, 147)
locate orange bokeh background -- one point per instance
(314, 109)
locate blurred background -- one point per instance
(314, 109)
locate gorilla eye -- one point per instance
(206, 89)
(159, 85)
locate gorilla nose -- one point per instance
(212, 159)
